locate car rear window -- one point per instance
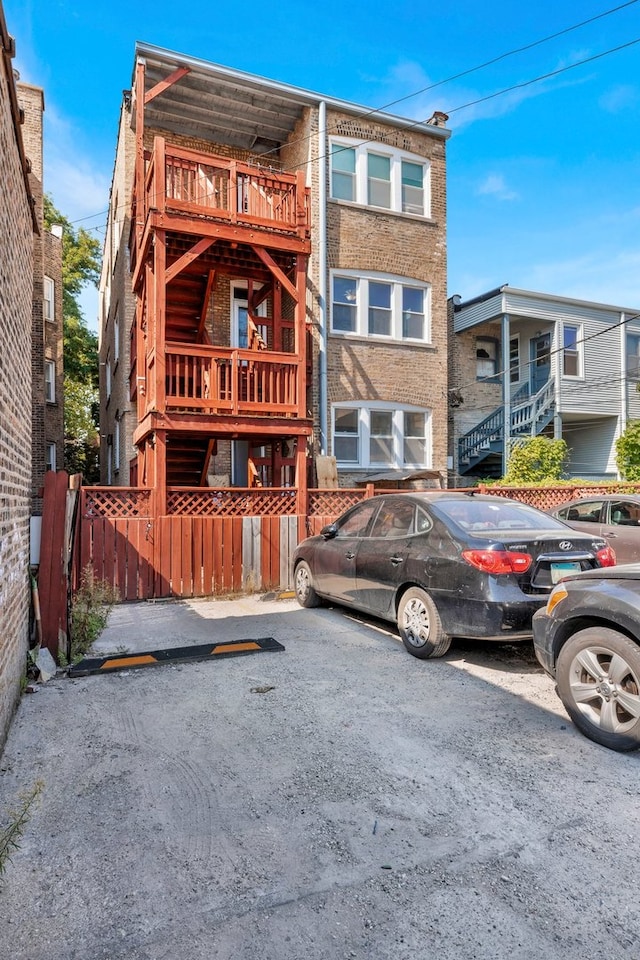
(475, 514)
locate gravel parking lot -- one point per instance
(340, 799)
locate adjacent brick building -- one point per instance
(17, 225)
(226, 150)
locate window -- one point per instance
(343, 172)
(107, 377)
(49, 306)
(378, 180)
(50, 455)
(380, 307)
(486, 359)
(378, 436)
(380, 176)
(514, 360)
(633, 356)
(346, 445)
(356, 522)
(413, 188)
(571, 353)
(116, 443)
(50, 381)
(116, 339)
(587, 512)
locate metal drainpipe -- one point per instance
(624, 385)
(322, 270)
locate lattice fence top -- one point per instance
(546, 498)
(331, 503)
(232, 502)
(114, 502)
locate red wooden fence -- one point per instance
(215, 542)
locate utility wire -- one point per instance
(464, 73)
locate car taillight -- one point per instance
(498, 561)
(606, 557)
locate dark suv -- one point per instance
(588, 638)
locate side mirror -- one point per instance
(329, 531)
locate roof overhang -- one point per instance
(221, 105)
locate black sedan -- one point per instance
(588, 638)
(443, 565)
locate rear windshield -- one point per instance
(474, 514)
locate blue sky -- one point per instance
(543, 181)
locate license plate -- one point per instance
(560, 570)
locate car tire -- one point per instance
(420, 625)
(303, 586)
(598, 681)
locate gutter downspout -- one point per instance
(322, 279)
(623, 419)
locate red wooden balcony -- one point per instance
(180, 181)
(219, 380)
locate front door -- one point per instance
(540, 361)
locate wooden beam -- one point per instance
(211, 449)
(279, 274)
(221, 426)
(202, 333)
(188, 257)
(166, 83)
(184, 223)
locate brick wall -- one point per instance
(16, 264)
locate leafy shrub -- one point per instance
(90, 608)
(628, 451)
(536, 460)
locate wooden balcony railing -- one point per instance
(219, 380)
(184, 181)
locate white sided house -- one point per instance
(525, 363)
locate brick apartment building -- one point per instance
(17, 225)
(31, 374)
(288, 255)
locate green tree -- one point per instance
(628, 451)
(535, 460)
(80, 266)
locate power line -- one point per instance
(464, 73)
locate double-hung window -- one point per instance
(633, 356)
(380, 176)
(514, 360)
(375, 435)
(380, 306)
(571, 352)
(50, 381)
(49, 300)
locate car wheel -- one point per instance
(303, 586)
(420, 626)
(598, 677)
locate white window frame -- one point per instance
(50, 381)
(361, 152)
(361, 304)
(49, 299)
(514, 369)
(51, 456)
(579, 375)
(107, 379)
(632, 369)
(398, 438)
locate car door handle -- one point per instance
(610, 533)
(349, 555)
(396, 560)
